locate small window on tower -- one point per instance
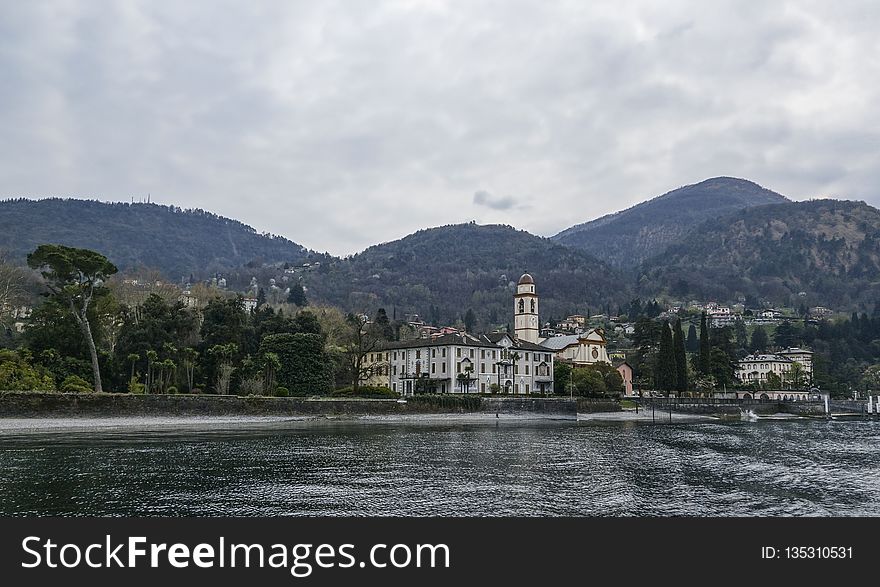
(522, 306)
(533, 306)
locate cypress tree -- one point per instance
(705, 363)
(664, 373)
(681, 381)
(693, 342)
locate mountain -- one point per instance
(441, 272)
(625, 239)
(177, 242)
(820, 252)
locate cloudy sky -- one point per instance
(344, 124)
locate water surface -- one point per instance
(792, 468)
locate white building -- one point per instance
(525, 310)
(757, 368)
(464, 363)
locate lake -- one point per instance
(504, 468)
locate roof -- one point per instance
(483, 340)
(526, 278)
(766, 358)
(560, 342)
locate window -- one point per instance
(527, 387)
(433, 353)
(443, 368)
(433, 367)
(533, 306)
(472, 353)
(493, 367)
(483, 353)
(482, 367)
(527, 369)
(522, 306)
(418, 354)
(493, 354)
(395, 369)
(458, 352)
(527, 356)
(395, 355)
(516, 369)
(483, 387)
(444, 352)
(393, 387)
(458, 367)
(516, 388)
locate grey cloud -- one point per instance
(484, 198)
(341, 124)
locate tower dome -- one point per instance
(526, 279)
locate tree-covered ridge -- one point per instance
(176, 241)
(821, 252)
(626, 238)
(441, 272)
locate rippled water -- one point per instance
(536, 469)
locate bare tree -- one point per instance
(363, 338)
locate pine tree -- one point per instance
(664, 372)
(297, 295)
(681, 381)
(261, 297)
(760, 340)
(705, 363)
(693, 343)
(470, 320)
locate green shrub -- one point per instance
(281, 392)
(75, 384)
(135, 387)
(171, 390)
(367, 391)
(17, 374)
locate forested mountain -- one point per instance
(442, 272)
(820, 252)
(626, 238)
(177, 242)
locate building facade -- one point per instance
(758, 368)
(464, 363)
(583, 349)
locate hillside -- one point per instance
(625, 239)
(453, 268)
(827, 249)
(177, 242)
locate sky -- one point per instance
(345, 124)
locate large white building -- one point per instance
(464, 363)
(758, 367)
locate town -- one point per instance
(217, 340)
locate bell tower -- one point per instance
(525, 310)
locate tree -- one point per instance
(681, 374)
(561, 377)
(383, 324)
(223, 356)
(705, 362)
(664, 372)
(363, 338)
(305, 368)
(588, 382)
(75, 277)
(786, 335)
(760, 340)
(17, 374)
(261, 297)
(796, 375)
(190, 356)
(693, 342)
(12, 287)
(297, 295)
(470, 320)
